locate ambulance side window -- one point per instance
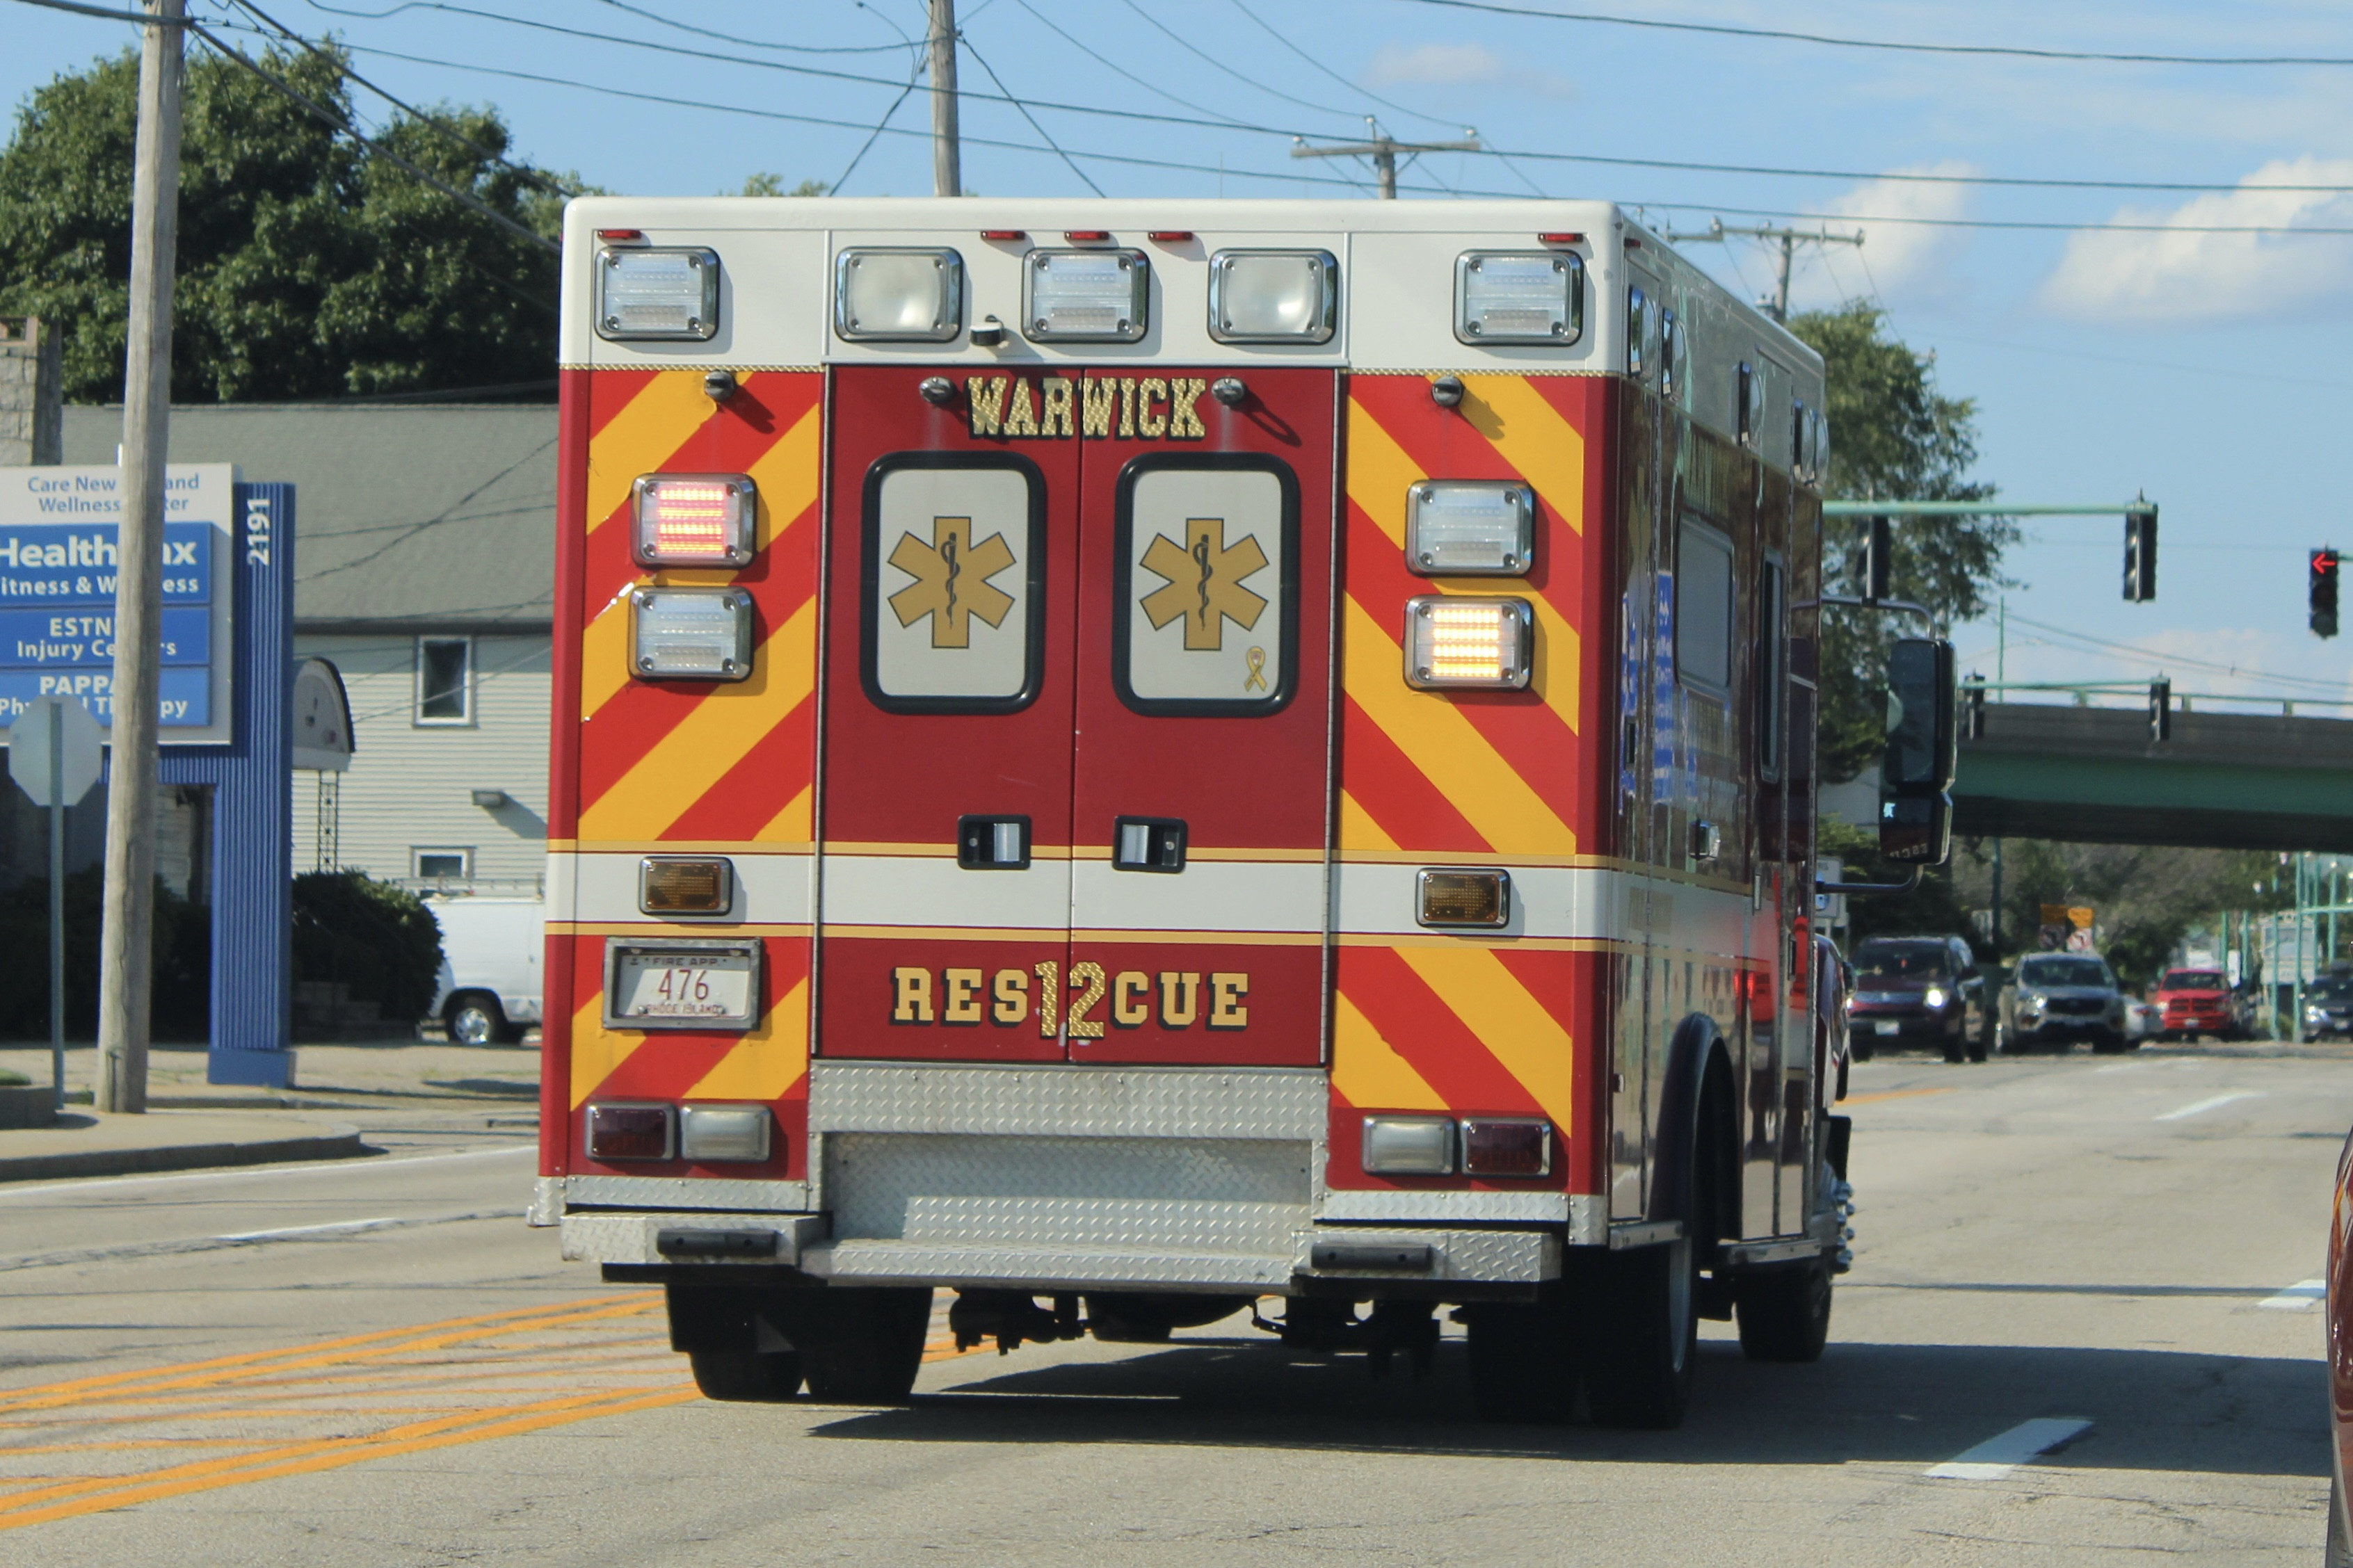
(1204, 562)
(1772, 653)
(1703, 608)
(951, 583)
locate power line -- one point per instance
(1110, 65)
(139, 18)
(431, 121)
(2208, 665)
(1336, 75)
(982, 60)
(2008, 50)
(341, 123)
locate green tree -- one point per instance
(767, 184)
(307, 266)
(1893, 436)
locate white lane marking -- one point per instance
(283, 1232)
(2126, 1066)
(2212, 1102)
(2298, 1297)
(1998, 1456)
(248, 1239)
(8, 1190)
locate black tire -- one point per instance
(859, 1346)
(746, 1377)
(1953, 1049)
(1977, 1048)
(1785, 1313)
(1860, 1050)
(2109, 1043)
(1522, 1361)
(476, 1018)
(1645, 1337)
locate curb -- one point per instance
(341, 1141)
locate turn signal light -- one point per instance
(685, 885)
(1454, 641)
(1507, 1146)
(694, 519)
(1473, 898)
(627, 1132)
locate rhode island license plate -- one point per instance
(1891, 1029)
(685, 985)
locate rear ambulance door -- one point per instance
(1202, 789)
(944, 856)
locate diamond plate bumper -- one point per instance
(769, 1239)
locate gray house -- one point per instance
(423, 566)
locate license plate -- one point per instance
(1891, 1029)
(682, 984)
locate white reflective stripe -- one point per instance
(1206, 895)
(934, 891)
(1998, 1456)
(770, 889)
(1561, 902)
(2214, 1103)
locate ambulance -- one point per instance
(1136, 760)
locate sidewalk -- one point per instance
(192, 1124)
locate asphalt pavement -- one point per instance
(2080, 1328)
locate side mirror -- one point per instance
(1915, 813)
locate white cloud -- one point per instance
(1460, 66)
(2175, 275)
(1906, 258)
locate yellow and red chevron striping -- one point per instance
(1468, 1024)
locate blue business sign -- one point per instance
(59, 562)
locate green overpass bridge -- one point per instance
(2221, 781)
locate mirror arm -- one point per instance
(1907, 606)
(1905, 886)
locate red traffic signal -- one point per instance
(2321, 589)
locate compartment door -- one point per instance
(1201, 798)
(944, 870)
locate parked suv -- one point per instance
(2057, 998)
(2328, 1008)
(2197, 1002)
(1916, 990)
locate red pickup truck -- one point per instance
(2194, 1002)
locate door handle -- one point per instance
(992, 843)
(1148, 843)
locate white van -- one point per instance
(491, 955)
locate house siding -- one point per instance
(411, 785)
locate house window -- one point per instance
(441, 865)
(445, 681)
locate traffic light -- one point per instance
(2323, 588)
(2140, 557)
(2161, 710)
(1877, 565)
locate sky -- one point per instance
(2206, 371)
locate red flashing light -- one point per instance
(1171, 236)
(1561, 238)
(1086, 236)
(620, 234)
(1015, 234)
(1632, 244)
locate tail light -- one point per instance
(694, 519)
(631, 1131)
(1507, 1146)
(1451, 641)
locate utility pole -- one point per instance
(947, 147)
(1383, 150)
(1778, 306)
(126, 947)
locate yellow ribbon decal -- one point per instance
(1257, 679)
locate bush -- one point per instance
(181, 1008)
(378, 939)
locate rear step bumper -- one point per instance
(1319, 1254)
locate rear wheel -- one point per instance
(1522, 1365)
(1646, 1334)
(746, 1375)
(1785, 1313)
(859, 1346)
(1859, 1047)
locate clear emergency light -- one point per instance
(1407, 1146)
(1470, 528)
(1453, 641)
(690, 634)
(1090, 296)
(693, 520)
(1273, 296)
(1519, 297)
(899, 294)
(723, 1134)
(657, 294)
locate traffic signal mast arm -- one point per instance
(2140, 536)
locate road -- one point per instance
(2112, 1241)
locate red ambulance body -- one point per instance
(1123, 758)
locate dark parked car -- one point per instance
(2058, 998)
(1920, 991)
(2327, 1009)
